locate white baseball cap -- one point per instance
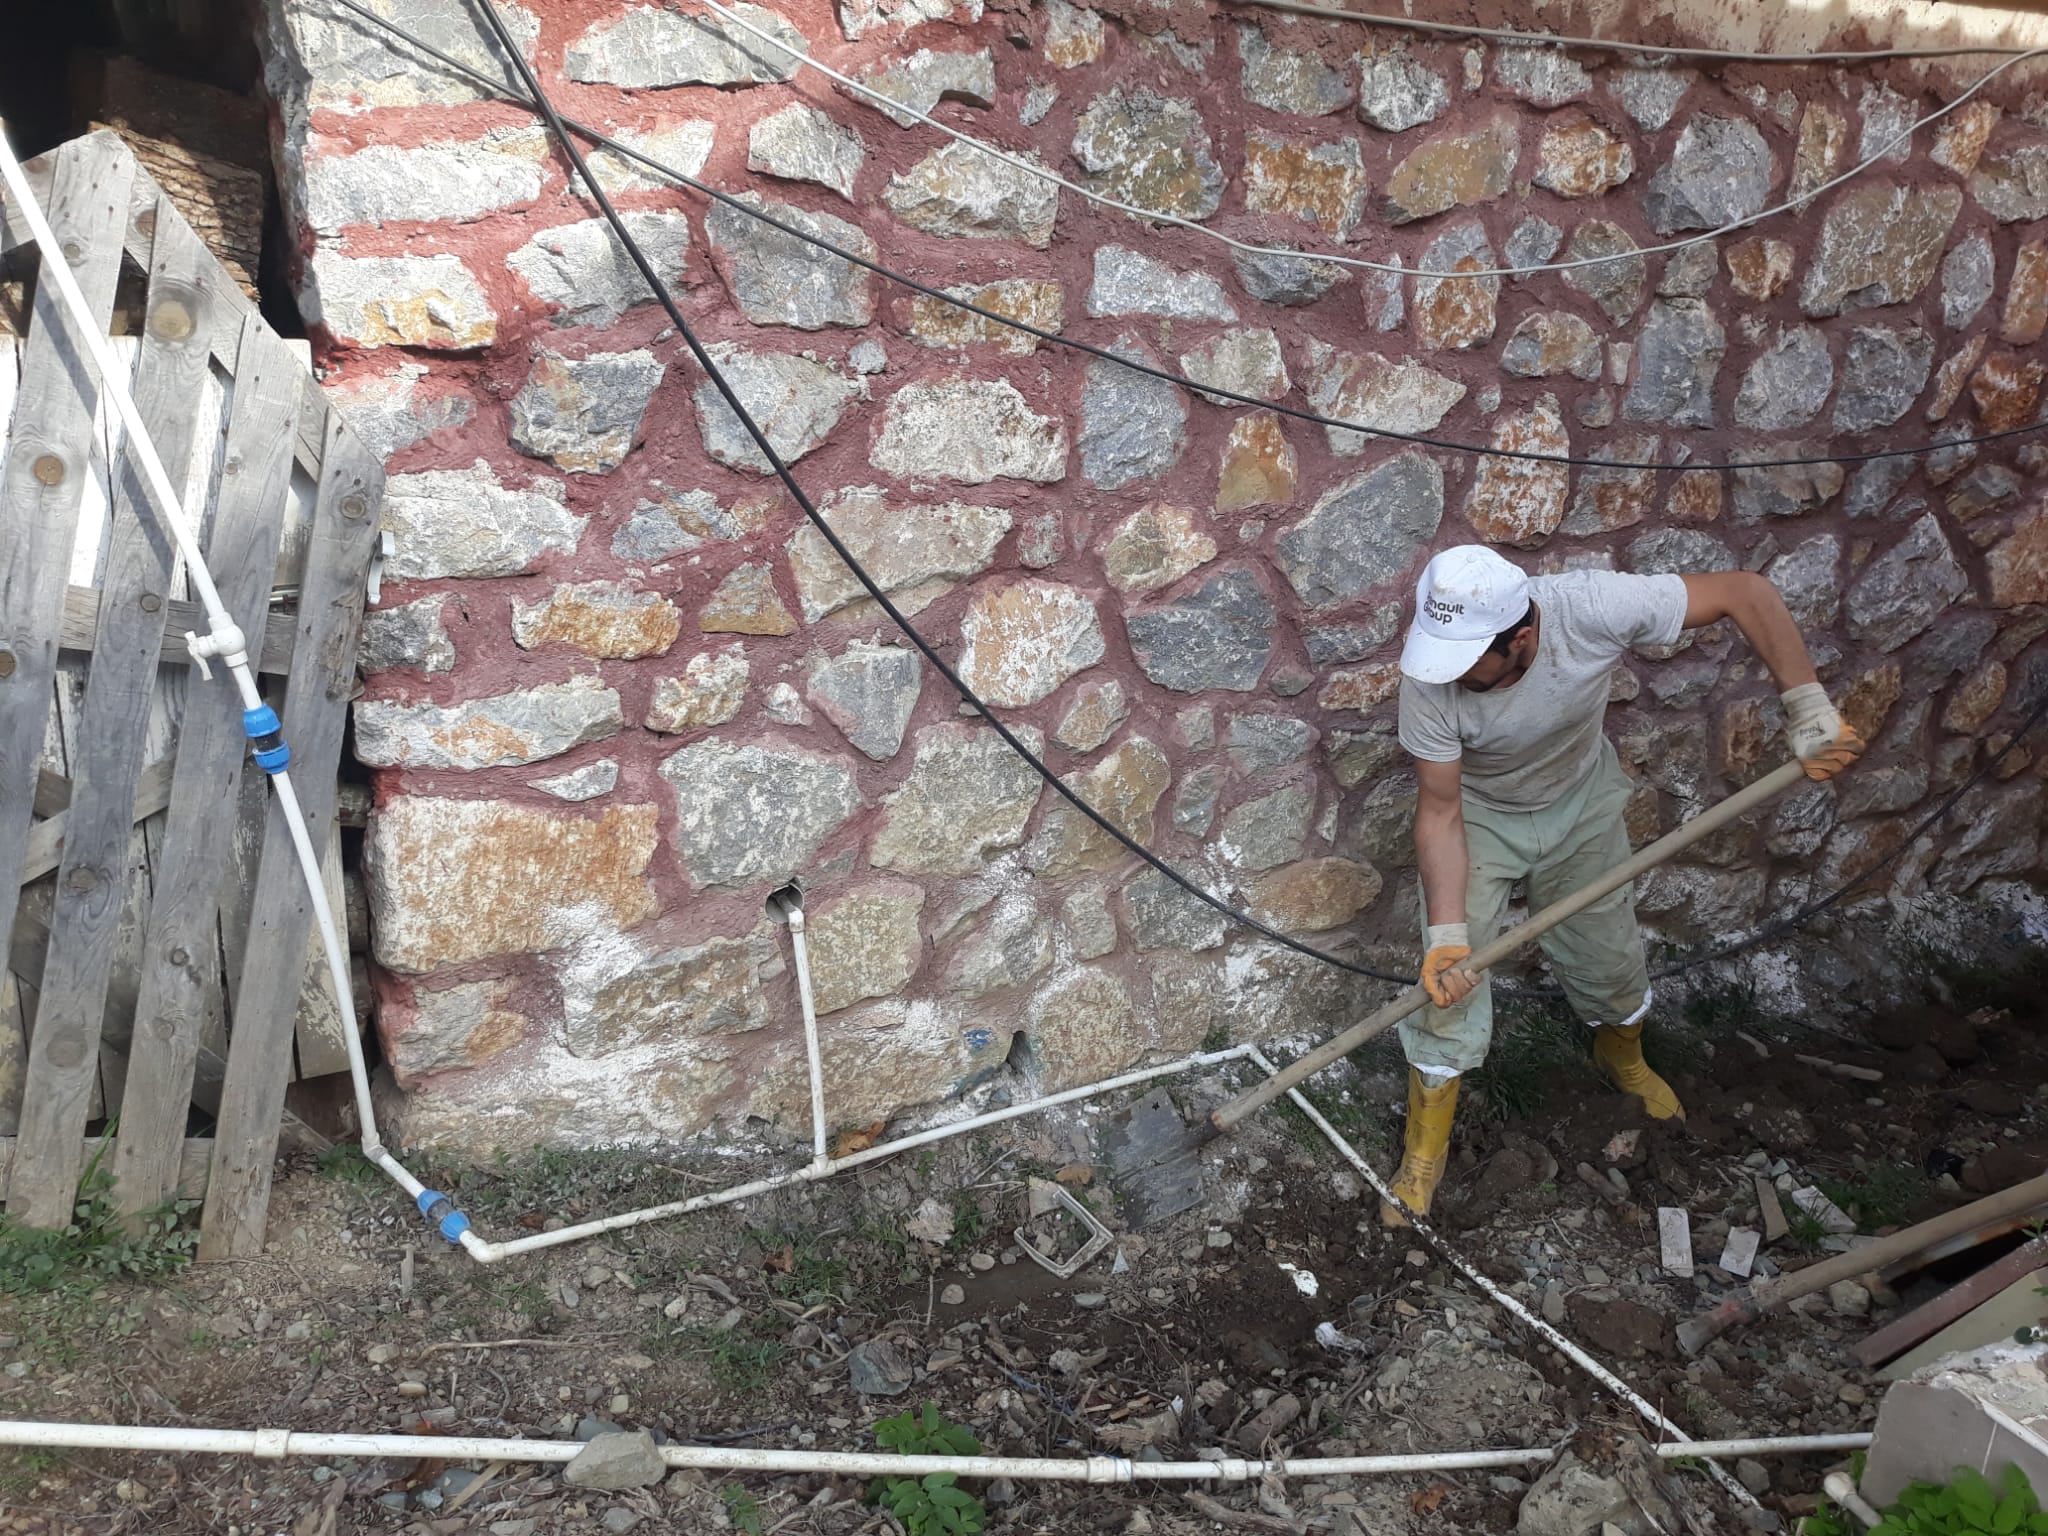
(1466, 596)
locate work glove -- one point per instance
(1820, 738)
(1447, 945)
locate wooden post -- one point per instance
(180, 954)
(92, 879)
(323, 675)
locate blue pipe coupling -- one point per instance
(441, 1213)
(266, 739)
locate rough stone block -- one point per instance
(585, 276)
(438, 183)
(968, 796)
(451, 881)
(463, 522)
(398, 301)
(1364, 532)
(1218, 636)
(523, 726)
(777, 279)
(960, 194)
(652, 47)
(582, 414)
(708, 692)
(970, 430)
(612, 620)
(794, 400)
(755, 815)
(1020, 642)
(1150, 151)
(914, 553)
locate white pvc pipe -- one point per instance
(275, 1444)
(491, 1253)
(794, 911)
(1543, 1329)
(1841, 1487)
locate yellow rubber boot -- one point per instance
(1619, 1050)
(1432, 1103)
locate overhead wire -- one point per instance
(559, 129)
(1139, 365)
(666, 298)
(1046, 173)
(1517, 38)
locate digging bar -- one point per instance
(1774, 783)
(1748, 1305)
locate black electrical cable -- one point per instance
(1417, 439)
(874, 590)
(1775, 929)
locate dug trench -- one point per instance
(804, 1318)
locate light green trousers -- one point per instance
(1598, 954)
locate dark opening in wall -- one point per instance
(178, 79)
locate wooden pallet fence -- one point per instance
(161, 951)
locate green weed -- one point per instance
(934, 1505)
(98, 1243)
(743, 1509)
(345, 1163)
(1967, 1505)
(1805, 1229)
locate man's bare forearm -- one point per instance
(1440, 856)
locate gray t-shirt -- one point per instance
(1523, 748)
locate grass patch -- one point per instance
(737, 1360)
(98, 1244)
(1882, 1196)
(22, 1472)
(815, 1271)
(1532, 1039)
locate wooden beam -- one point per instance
(92, 886)
(81, 620)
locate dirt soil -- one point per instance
(752, 1324)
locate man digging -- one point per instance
(1503, 688)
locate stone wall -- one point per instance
(617, 692)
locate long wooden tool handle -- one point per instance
(1743, 1307)
(1708, 821)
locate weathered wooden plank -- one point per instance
(278, 628)
(85, 192)
(92, 882)
(188, 1175)
(181, 955)
(46, 838)
(316, 703)
(13, 1050)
